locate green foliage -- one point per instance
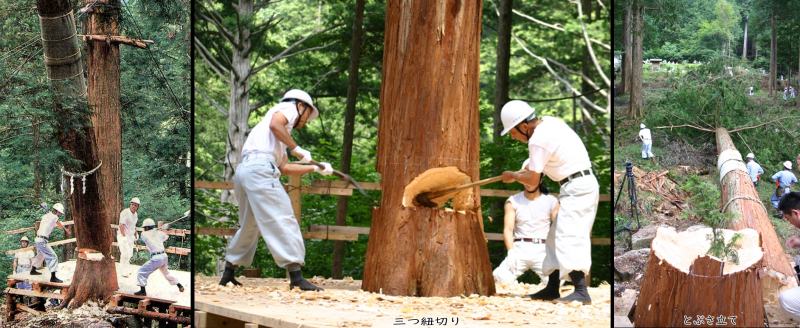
(705, 201)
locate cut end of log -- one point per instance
(441, 178)
(682, 249)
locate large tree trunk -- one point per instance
(239, 105)
(349, 124)
(681, 281)
(501, 89)
(626, 58)
(429, 120)
(779, 275)
(37, 174)
(635, 110)
(773, 53)
(744, 47)
(755, 47)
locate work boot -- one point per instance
(34, 272)
(53, 278)
(180, 287)
(227, 276)
(141, 292)
(580, 294)
(297, 280)
(550, 292)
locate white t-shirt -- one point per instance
(24, 258)
(129, 220)
(645, 134)
(556, 150)
(48, 223)
(533, 216)
(154, 239)
(262, 138)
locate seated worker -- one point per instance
(154, 239)
(22, 262)
(526, 226)
(783, 179)
(790, 208)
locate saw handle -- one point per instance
(440, 193)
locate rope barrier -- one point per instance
(80, 175)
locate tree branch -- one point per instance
(558, 28)
(323, 78)
(283, 54)
(217, 23)
(589, 46)
(753, 127)
(685, 125)
(602, 91)
(216, 105)
(212, 61)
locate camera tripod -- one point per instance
(632, 196)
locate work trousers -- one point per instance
(647, 147)
(45, 253)
(157, 262)
(569, 247)
(528, 256)
(264, 210)
(125, 244)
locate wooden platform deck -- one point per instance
(269, 303)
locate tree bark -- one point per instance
(779, 275)
(744, 48)
(429, 119)
(773, 52)
(37, 175)
(626, 58)
(349, 124)
(501, 83)
(755, 47)
(681, 281)
(635, 110)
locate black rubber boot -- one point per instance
(298, 281)
(34, 272)
(53, 278)
(580, 294)
(180, 287)
(550, 292)
(227, 276)
(141, 292)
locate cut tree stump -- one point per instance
(737, 186)
(682, 283)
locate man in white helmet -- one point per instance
(525, 230)
(264, 207)
(558, 152)
(647, 142)
(754, 169)
(126, 235)
(22, 262)
(783, 179)
(44, 252)
(154, 239)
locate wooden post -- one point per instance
(295, 196)
(779, 274)
(429, 119)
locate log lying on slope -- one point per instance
(683, 282)
(741, 198)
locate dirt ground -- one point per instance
(343, 304)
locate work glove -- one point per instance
(326, 171)
(165, 226)
(305, 155)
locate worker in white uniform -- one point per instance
(45, 253)
(126, 235)
(754, 169)
(154, 240)
(789, 207)
(264, 207)
(22, 261)
(526, 224)
(558, 152)
(784, 179)
(647, 142)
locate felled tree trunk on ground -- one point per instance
(682, 281)
(738, 189)
(429, 123)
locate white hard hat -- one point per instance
(24, 239)
(136, 201)
(641, 126)
(148, 222)
(750, 155)
(787, 165)
(58, 207)
(513, 113)
(525, 164)
(304, 97)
